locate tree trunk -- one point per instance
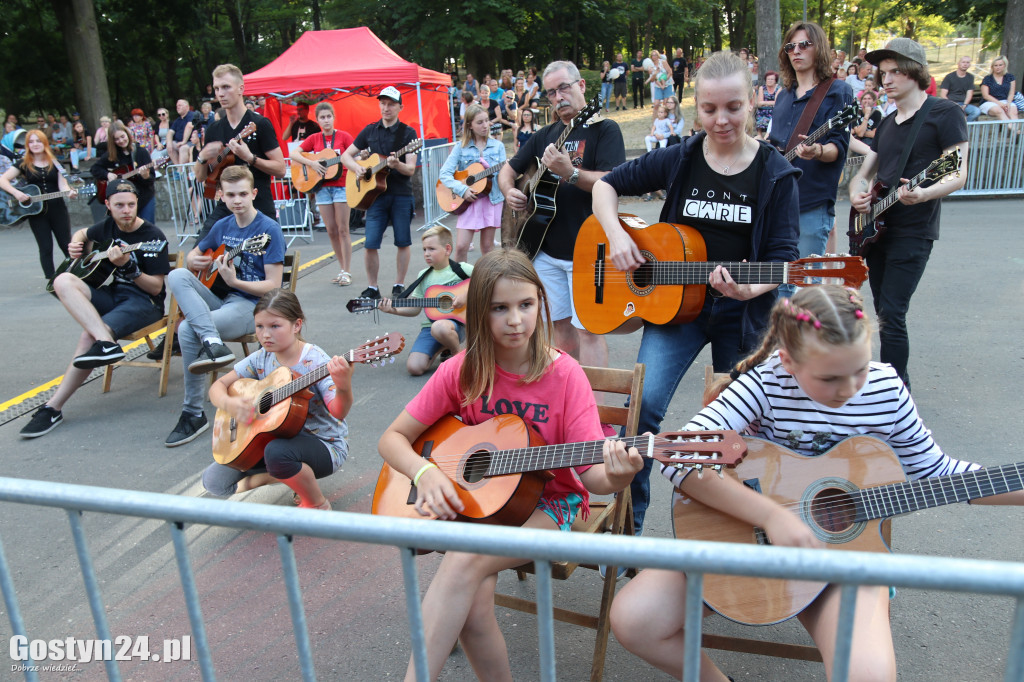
(82, 41)
(716, 29)
(237, 33)
(1013, 33)
(769, 38)
(316, 15)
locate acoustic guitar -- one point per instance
(476, 176)
(13, 211)
(669, 288)
(438, 304)
(281, 402)
(843, 118)
(867, 228)
(210, 275)
(361, 189)
(307, 180)
(540, 185)
(225, 158)
(127, 173)
(95, 267)
(499, 467)
(844, 495)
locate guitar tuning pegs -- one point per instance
(700, 472)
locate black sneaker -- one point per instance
(158, 352)
(213, 356)
(370, 292)
(101, 353)
(45, 419)
(187, 430)
(397, 290)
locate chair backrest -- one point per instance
(624, 382)
(176, 259)
(290, 276)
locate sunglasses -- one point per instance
(803, 45)
(162, 113)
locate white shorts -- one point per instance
(556, 275)
(988, 105)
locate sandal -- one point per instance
(337, 278)
(344, 279)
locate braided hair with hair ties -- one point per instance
(834, 315)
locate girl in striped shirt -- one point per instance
(810, 385)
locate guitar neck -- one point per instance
(377, 167)
(521, 460)
(268, 400)
(124, 249)
(902, 498)
(893, 196)
(48, 195)
(473, 179)
(697, 272)
(811, 139)
(434, 302)
(541, 168)
(133, 173)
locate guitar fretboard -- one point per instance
(901, 498)
(697, 272)
(816, 135)
(473, 179)
(268, 400)
(891, 198)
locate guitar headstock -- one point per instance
(153, 246)
(700, 450)
(586, 113)
(361, 305)
(245, 132)
(845, 116)
(160, 163)
(377, 351)
(256, 245)
(947, 164)
(847, 271)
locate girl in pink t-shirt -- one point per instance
(509, 366)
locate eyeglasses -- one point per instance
(803, 45)
(562, 89)
(161, 113)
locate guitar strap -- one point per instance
(919, 118)
(456, 268)
(803, 124)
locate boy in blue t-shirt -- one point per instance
(435, 335)
(209, 315)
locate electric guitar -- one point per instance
(670, 287)
(438, 304)
(844, 495)
(94, 267)
(307, 180)
(843, 118)
(12, 211)
(539, 186)
(476, 176)
(126, 173)
(866, 228)
(499, 467)
(225, 158)
(210, 275)
(281, 403)
(361, 189)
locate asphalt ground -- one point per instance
(965, 326)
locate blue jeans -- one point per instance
(815, 226)
(606, 94)
(972, 112)
(668, 351)
(389, 208)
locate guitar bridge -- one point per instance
(234, 430)
(599, 267)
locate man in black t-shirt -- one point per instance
(259, 151)
(679, 72)
(395, 204)
(619, 85)
(134, 299)
(588, 154)
(636, 68)
(897, 261)
(302, 127)
(958, 87)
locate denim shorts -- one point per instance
(426, 343)
(330, 195)
(389, 208)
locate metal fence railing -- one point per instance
(995, 159)
(431, 159)
(848, 569)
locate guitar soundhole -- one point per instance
(832, 510)
(265, 402)
(445, 303)
(476, 466)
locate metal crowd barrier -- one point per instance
(995, 159)
(848, 569)
(431, 160)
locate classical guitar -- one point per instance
(281, 402)
(539, 185)
(669, 288)
(13, 211)
(844, 495)
(867, 228)
(476, 176)
(307, 180)
(210, 275)
(225, 158)
(127, 173)
(500, 466)
(361, 189)
(843, 118)
(438, 304)
(94, 267)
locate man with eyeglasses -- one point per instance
(180, 131)
(805, 62)
(589, 153)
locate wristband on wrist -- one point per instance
(423, 469)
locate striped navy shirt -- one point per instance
(768, 403)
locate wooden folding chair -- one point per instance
(168, 322)
(615, 516)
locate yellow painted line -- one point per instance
(134, 344)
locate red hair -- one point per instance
(26, 163)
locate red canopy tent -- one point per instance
(335, 65)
